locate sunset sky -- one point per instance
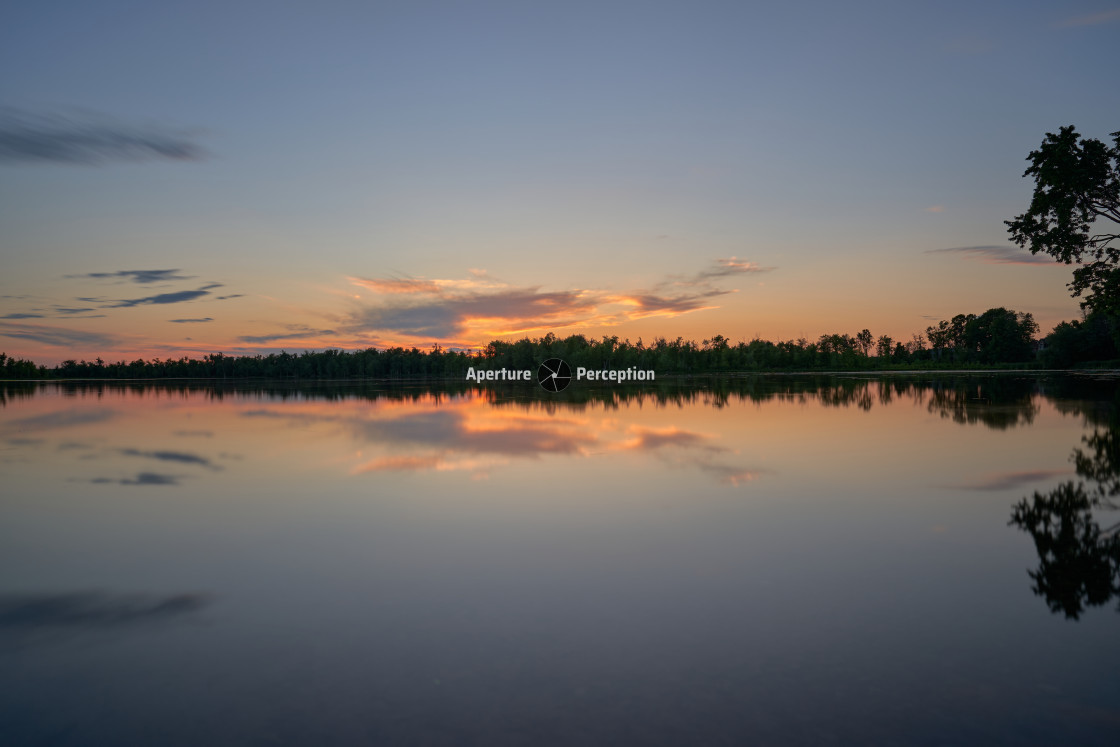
(251, 177)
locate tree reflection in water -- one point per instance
(1079, 562)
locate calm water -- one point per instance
(769, 560)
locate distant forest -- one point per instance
(998, 337)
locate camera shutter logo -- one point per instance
(554, 375)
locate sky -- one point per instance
(250, 177)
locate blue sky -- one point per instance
(290, 157)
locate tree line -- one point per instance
(998, 336)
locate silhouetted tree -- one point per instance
(864, 340)
(1090, 339)
(1077, 186)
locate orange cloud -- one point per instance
(480, 308)
(394, 286)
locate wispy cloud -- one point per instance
(652, 304)
(179, 457)
(136, 276)
(935, 209)
(191, 321)
(60, 336)
(142, 478)
(1095, 19)
(88, 139)
(394, 286)
(720, 268)
(401, 464)
(996, 255)
(55, 312)
(165, 298)
(731, 266)
(304, 334)
(682, 294)
(479, 280)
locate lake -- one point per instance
(917, 559)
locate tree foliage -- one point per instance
(1077, 191)
(18, 368)
(997, 336)
(1090, 339)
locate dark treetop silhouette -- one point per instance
(1077, 191)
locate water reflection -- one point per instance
(92, 609)
(687, 562)
(998, 401)
(468, 433)
(35, 624)
(1008, 480)
(453, 426)
(473, 430)
(1079, 562)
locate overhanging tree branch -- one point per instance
(1077, 184)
